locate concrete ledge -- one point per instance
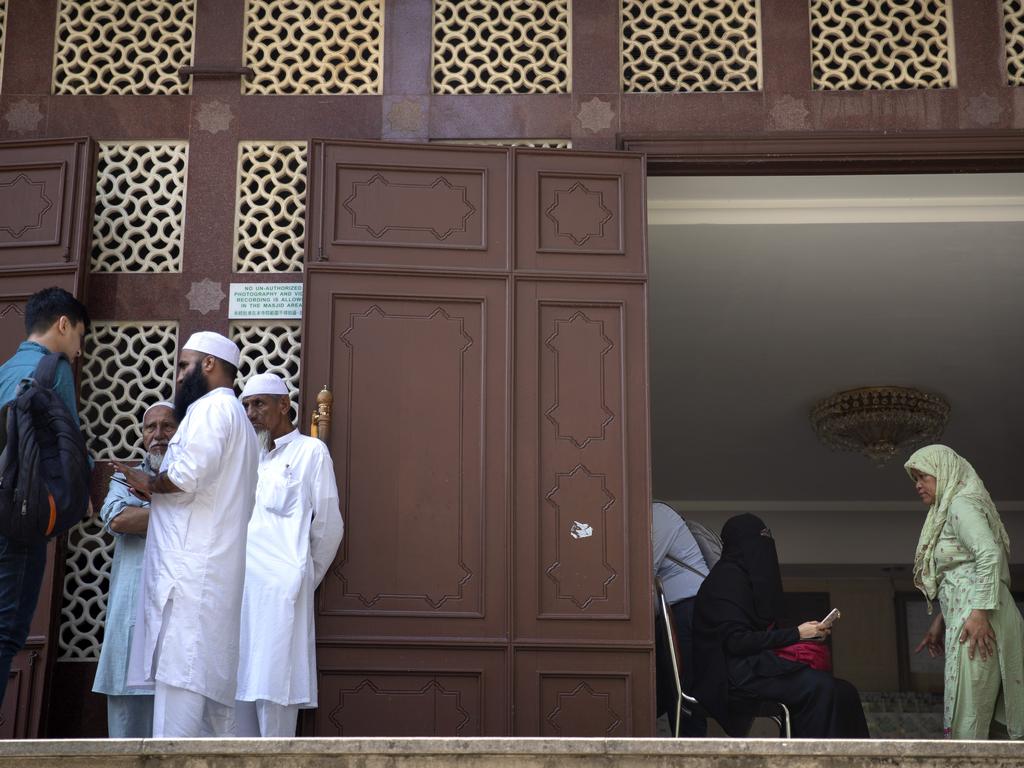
(508, 753)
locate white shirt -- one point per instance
(194, 566)
(294, 534)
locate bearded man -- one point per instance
(186, 642)
(126, 516)
(294, 534)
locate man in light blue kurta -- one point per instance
(126, 517)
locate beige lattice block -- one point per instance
(269, 346)
(528, 143)
(89, 555)
(881, 44)
(123, 46)
(270, 209)
(501, 46)
(127, 366)
(690, 45)
(1013, 35)
(314, 46)
(140, 206)
(3, 37)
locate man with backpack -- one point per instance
(55, 322)
(681, 567)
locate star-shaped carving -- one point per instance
(406, 116)
(22, 205)
(789, 113)
(24, 116)
(213, 116)
(578, 213)
(984, 109)
(205, 296)
(596, 115)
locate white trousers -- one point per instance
(130, 717)
(182, 714)
(265, 718)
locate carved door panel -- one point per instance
(46, 192)
(418, 319)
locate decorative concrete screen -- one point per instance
(881, 44)
(3, 37)
(123, 46)
(140, 206)
(126, 367)
(1013, 31)
(270, 346)
(501, 46)
(271, 206)
(689, 45)
(314, 46)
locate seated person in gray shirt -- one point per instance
(681, 567)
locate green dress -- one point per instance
(972, 572)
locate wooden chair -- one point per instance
(774, 710)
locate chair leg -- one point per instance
(784, 728)
(679, 715)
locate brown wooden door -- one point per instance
(46, 192)
(480, 316)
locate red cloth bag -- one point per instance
(814, 655)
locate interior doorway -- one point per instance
(768, 293)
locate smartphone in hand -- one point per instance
(833, 616)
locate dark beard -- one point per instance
(192, 388)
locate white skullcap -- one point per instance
(264, 384)
(161, 404)
(211, 343)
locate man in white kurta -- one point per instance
(293, 536)
(185, 644)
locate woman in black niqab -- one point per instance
(735, 632)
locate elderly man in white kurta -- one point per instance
(185, 644)
(294, 534)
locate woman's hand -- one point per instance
(933, 638)
(979, 633)
(812, 630)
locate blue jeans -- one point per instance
(21, 574)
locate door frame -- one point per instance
(785, 154)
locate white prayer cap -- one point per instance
(161, 404)
(264, 384)
(211, 343)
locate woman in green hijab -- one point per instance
(962, 559)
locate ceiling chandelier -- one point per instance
(880, 422)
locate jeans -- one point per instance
(21, 574)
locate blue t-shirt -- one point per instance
(23, 364)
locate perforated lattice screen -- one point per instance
(90, 552)
(123, 46)
(270, 346)
(529, 143)
(3, 37)
(690, 45)
(271, 207)
(314, 46)
(881, 44)
(126, 367)
(140, 206)
(501, 46)
(1013, 34)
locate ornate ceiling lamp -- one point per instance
(880, 422)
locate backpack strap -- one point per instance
(46, 369)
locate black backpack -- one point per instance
(44, 469)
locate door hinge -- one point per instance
(320, 253)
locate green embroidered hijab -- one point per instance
(954, 478)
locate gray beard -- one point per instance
(151, 463)
(265, 439)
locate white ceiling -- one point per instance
(870, 280)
